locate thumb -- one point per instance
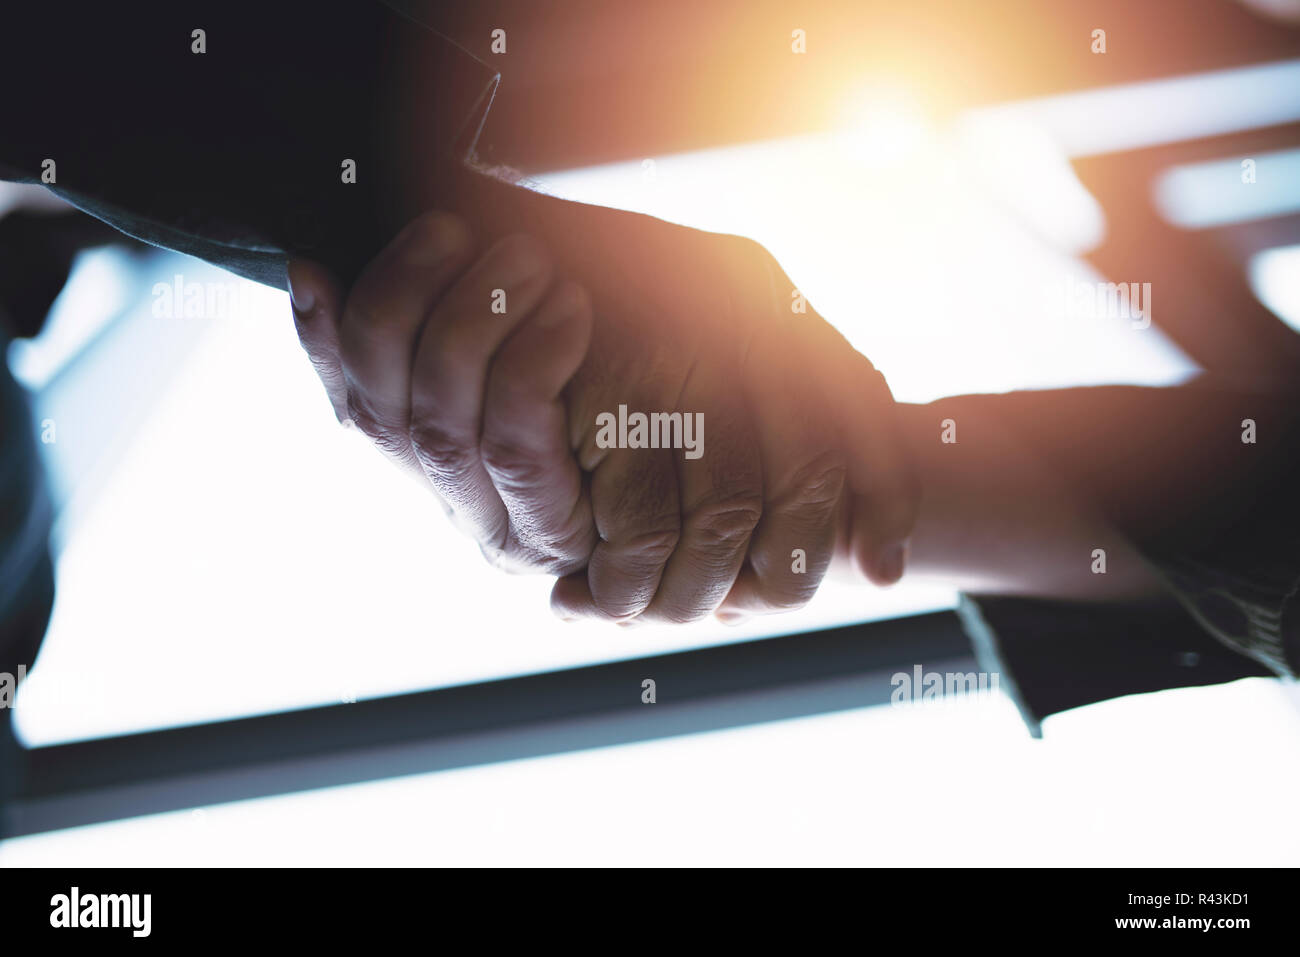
(317, 303)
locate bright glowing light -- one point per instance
(1172, 110)
(1024, 167)
(1275, 278)
(885, 127)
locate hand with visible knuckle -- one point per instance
(520, 383)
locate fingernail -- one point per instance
(553, 319)
(301, 293)
(889, 563)
(731, 618)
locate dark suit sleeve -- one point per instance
(1051, 656)
(236, 154)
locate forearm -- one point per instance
(997, 518)
(1037, 481)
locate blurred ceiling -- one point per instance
(585, 81)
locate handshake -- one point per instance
(548, 367)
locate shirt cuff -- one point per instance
(1244, 597)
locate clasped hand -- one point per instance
(494, 369)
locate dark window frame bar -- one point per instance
(701, 690)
